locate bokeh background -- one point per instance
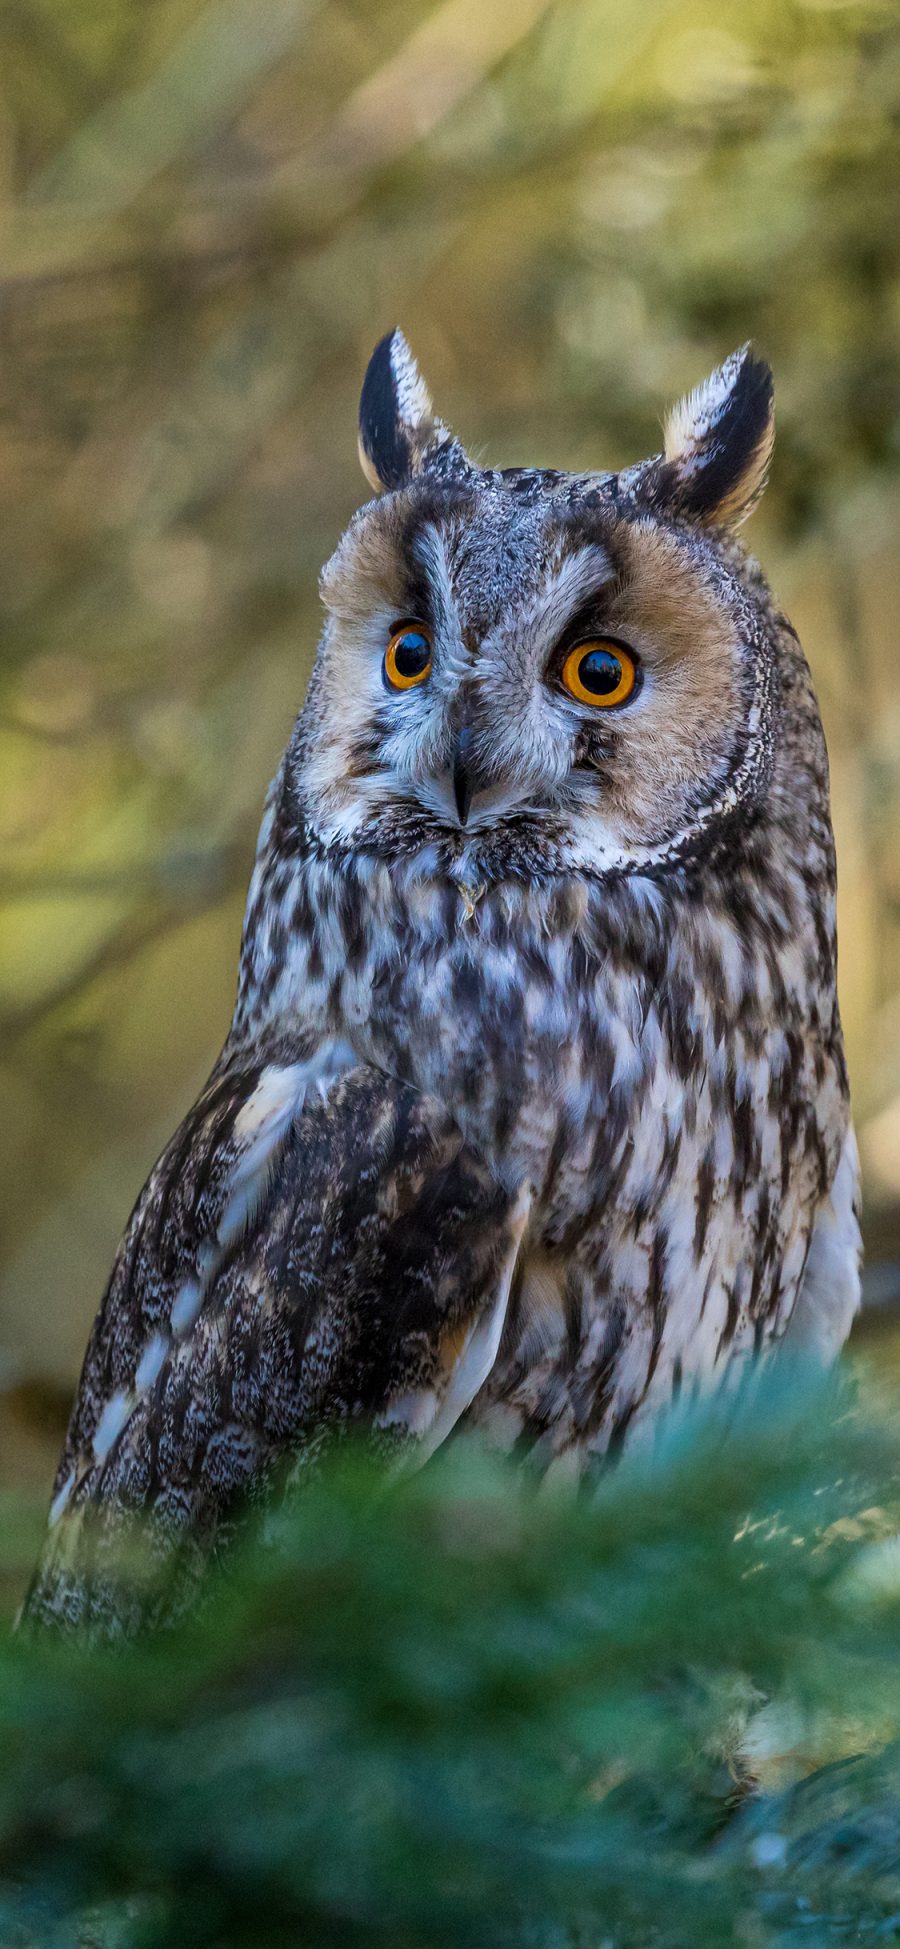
(208, 214)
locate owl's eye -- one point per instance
(407, 659)
(599, 672)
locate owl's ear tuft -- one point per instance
(398, 431)
(718, 442)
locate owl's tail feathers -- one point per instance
(367, 1295)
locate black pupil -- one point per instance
(412, 653)
(600, 672)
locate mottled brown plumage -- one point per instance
(534, 1108)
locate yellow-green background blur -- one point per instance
(208, 214)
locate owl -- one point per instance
(533, 1114)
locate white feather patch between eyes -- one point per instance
(566, 588)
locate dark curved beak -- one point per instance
(462, 776)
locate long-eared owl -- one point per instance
(533, 1111)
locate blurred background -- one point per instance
(208, 214)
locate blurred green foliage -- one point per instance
(208, 213)
(467, 1713)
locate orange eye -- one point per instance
(407, 659)
(600, 672)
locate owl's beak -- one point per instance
(462, 777)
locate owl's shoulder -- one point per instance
(316, 1250)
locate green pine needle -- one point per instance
(474, 1711)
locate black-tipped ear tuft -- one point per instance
(398, 431)
(718, 443)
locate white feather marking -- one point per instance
(263, 1122)
(151, 1360)
(187, 1303)
(111, 1422)
(690, 434)
(414, 1411)
(241, 1205)
(418, 1410)
(563, 589)
(692, 420)
(413, 397)
(208, 1259)
(829, 1295)
(260, 1125)
(60, 1500)
(629, 1058)
(480, 1350)
(271, 1107)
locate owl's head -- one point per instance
(570, 670)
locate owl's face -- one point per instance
(569, 667)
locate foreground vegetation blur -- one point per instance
(466, 1714)
(208, 214)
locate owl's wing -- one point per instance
(298, 1265)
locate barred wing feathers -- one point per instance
(302, 1261)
